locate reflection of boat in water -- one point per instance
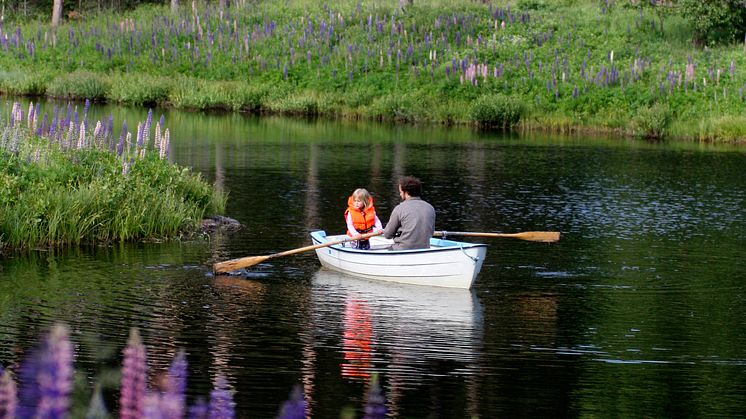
(446, 263)
(396, 328)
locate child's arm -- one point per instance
(378, 226)
(351, 227)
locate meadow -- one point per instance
(586, 65)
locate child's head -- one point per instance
(363, 197)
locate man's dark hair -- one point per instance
(411, 185)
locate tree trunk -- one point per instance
(174, 6)
(223, 4)
(56, 12)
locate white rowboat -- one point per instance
(447, 263)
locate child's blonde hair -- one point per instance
(362, 194)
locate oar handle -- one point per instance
(234, 264)
(325, 244)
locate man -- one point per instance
(412, 222)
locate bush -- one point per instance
(715, 20)
(652, 121)
(140, 90)
(496, 110)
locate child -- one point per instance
(361, 217)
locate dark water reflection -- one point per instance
(637, 311)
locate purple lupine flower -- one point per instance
(46, 378)
(375, 405)
(295, 406)
(134, 378)
(177, 376)
(85, 108)
(151, 407)
(199, 410)
(8, 395)
(171, 405)
(221, 400)
(147, 125)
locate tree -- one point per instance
(56, 12)
(174, 5)
(715, 20)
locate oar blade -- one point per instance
(539, 236)
(236, 264)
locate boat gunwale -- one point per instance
(463, 246)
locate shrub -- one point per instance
(715, 20)
(140, 90)
(652, 121)
(300, 104)
(496, 110)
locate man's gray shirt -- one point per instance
(415, 219)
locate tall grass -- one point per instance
(90, 187)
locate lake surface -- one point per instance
(638, 311)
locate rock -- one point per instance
(219, 222)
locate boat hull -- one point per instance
(446, 263)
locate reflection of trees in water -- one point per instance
(313, 190)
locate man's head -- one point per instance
(411, 186)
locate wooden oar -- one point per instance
(533, 236)
(234, 264)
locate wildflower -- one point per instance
(8, 396)
(47, 377)
(30, 114)
(165, 144)
(221, 400)
(199, 410)
(375, 406)
(81, 136)
(177, 376)
(295, 406)
(134, 375)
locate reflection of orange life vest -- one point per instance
(364, 220)
(357, 341)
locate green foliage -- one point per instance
(79, 84)
(140, 89)
(21, 82)
(301, 103)
(715, 20)
(496, 110)
(652, 121)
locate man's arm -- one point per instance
(393, 225)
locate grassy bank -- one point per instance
(67, 180)
(562, 66)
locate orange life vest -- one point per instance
(364, 220)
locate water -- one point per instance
(637, 311)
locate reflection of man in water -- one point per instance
(356, 343)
